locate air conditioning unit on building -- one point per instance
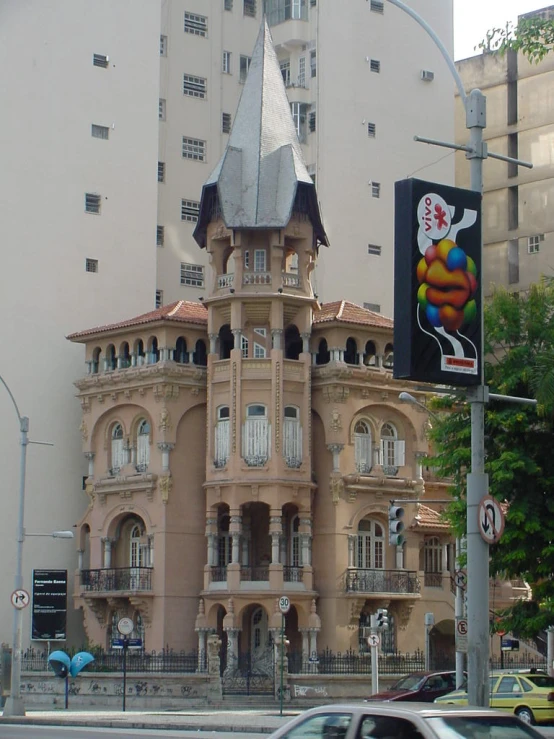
(427, 75)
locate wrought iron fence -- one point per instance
(356, 663)
(117, 579)
(166, 660)
(254, 574)
(293, 574)
(219, 574)
(381, 581)
(519, 662)
(432, 579)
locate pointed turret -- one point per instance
(262, 172)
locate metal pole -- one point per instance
(14, 703)
(282, 662)
(125, 644)
(550, 651)
(374, 658)
(459, 613)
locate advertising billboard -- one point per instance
(437, 276)
(49, 615)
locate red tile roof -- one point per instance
(427, 518)
(345, 312)
(182, 311)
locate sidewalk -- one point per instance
(254, 721)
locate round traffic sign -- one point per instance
(373, 640)
(20, 599)
(125, 626)
(460, 578)
(461, 626)
(491, 519)
(284, 604)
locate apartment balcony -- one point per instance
(290, 32)
(391, 582)
(116, 580)
(276, 577)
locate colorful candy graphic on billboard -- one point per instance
(437, 298)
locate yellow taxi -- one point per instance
(530, 695)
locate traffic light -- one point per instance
(396, 514)
(382, 618)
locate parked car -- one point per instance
(419, 686)
(403, 721)
(529, 694)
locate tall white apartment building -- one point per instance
(114, 114)
(363, 78)
(78, 138)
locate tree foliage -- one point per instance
(533, 36)
(519, 447)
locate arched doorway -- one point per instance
(252, 672)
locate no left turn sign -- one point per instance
(491, 519)
(373, 640)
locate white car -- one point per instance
(404, 721)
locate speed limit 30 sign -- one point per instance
(284, 604)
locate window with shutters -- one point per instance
(375, 189)
(221, 452)
(432, 555)
(363, 448)
(259, 260)
(249, 8)
(160, 235)
(371, 130)
(161, 109)
(226, 62)
(190, 210)
(302, 72)
(92, 203)
(91, 265)
(159, 298)
(194, 149)
(192, 275)
(143, 446)
(100, 60)
(195, 87)
(118, 455)
(292, 437)
(377, 6)
(392, 449)
(255, 440)
(161, 171)
(196, 24)
(163, 45)
(226, 123)
(99, 132)
(370, 542)
(374, 65)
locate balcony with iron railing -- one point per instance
(400, 582)
(116, 579)
(277, 575)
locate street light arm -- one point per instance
(21, 418)
(405, 397)
(443, 50)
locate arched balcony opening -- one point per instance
(323, 355)
(351, 351)
(124, 359)
(292, 437)
(370, 354)
(222, 437)
(111, 358)
(363, 447)
(228, 265)
(118, 453)
(293, 342)
(181, 354)
(143, 446)
(153, 351)
(200, 356)
(256, 543)
(388, 357)
(392, 449)
(139, 353)
(226, 341)
(96, 360)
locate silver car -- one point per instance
(404, 721)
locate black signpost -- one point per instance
(49, 615)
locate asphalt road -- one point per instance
(60, 732)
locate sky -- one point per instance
(473, 18)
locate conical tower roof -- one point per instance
(262, 168)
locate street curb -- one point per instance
(137, 724)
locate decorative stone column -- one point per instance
(107, 541)
(335, 450)
(305, 644)
(202, 648)
(237, 335)
(214, 646)
(211, 537)
(89, 456)
(313, 642)
(191, 356)
(213, 343)
(306, 342)
(283, 549)
(276, 531)
(232, 650)
(165, 447)
(351, 549)
(150, 538)
(276, 337)
(235, 529)
(80, 553)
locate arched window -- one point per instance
(200, 356)
(222, 437)
(111, 359)
(363, 452)
(96, 358)
(138, 351)
(292, 437)
(323, 355)
(432, 562)
(124, 360)
(294, 554)
(228, 266)
(226, 341)
(370, 355)
(118, 456)
(224, 541)
(143, 446)
(293, 343)
(153, 351)
(370, 545)
(255, 440)
(388, 356)
(351, 351)
(392, 449)
(181, 354)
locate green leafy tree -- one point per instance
(519, 447)
(533, 36)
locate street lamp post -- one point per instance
(14, 703)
